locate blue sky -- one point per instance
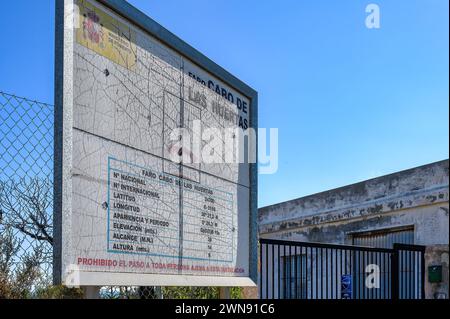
(350, 103)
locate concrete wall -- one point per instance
(417, 197)
(437, 255)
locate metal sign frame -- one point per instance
(63, 146)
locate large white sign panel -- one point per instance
(128, 213)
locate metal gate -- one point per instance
(300, 270)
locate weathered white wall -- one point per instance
(418, 197)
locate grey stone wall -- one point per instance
(417, 197)
(437, 255)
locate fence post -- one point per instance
(91, 292)
(395, 273)
(422, 272)
(224, 293)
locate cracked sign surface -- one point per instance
(133, 209)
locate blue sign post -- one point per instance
(346, 287)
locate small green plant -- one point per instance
(198, 293)
(59, 292)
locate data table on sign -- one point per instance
(208, 225)
(144, 215)
(143, 211)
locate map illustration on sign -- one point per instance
(133, 209)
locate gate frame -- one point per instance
(395, 262)
(393, 257)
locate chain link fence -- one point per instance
(26, 210)
(26, 196)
